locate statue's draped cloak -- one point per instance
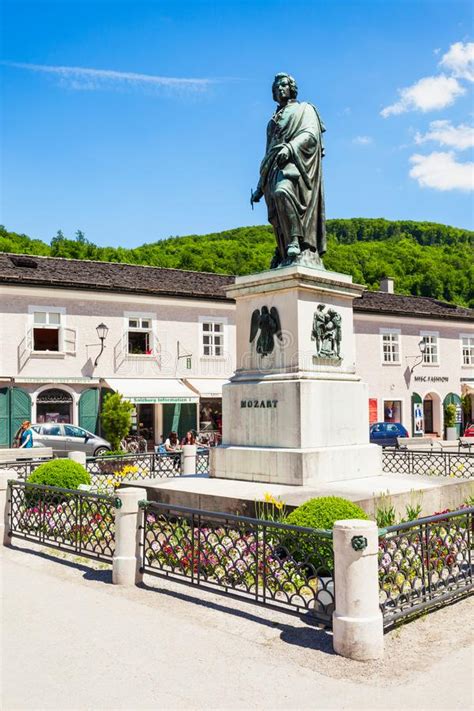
(299, 127)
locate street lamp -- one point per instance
(422, 347)
(102, 331)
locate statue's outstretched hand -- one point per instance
(255, 196)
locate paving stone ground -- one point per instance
(71, 640)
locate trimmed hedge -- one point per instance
(60, 472)
(324, 511)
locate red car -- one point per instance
(469, 431)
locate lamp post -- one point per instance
(102, 331)
(422, 347)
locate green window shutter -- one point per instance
(5, 437)
(20, 409)
(89, 410)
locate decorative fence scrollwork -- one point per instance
(425, 562)
(269, 563)
(77, 521)
(428, 463)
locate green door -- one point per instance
(5, 417)
(89, 410)
(453, 399)
(20, 410)
(179, 417)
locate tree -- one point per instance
(116, 417)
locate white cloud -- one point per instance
(458, 137)
(362, 140)
(441, 171)
(459, 60)
(82, 78)
(426, 94)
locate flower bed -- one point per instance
(77, 520)
(424, 559)
(262, 558)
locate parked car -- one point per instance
(469, 431)
(386, 433)
(68, 438)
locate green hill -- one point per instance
(424, 258)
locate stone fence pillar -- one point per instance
(188, 459)
(357, 619)
(126, 560)
(79, 457)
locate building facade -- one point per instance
(169, 347)
(417, 356)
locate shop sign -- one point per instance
(431, 378)
(163, 400)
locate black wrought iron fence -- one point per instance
(72, 520)
(425, 562)
(428, 463)
(273, 564)
(202, 462)
(22, 468)
(147, 465)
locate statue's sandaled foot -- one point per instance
(293, 249)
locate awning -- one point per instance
(207, 387)
(153, 390)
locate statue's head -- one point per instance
(284, 84)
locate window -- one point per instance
(390, 346)
(213, 338)
(431, 352)
(71, 431)
(467, 344)
(139, 335)
(47, 331)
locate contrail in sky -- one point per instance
(82, 78)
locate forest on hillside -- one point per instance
(424, 258)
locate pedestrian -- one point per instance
(25, 435)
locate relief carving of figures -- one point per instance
(327, 333)
(268, 322)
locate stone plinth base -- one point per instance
(297, 467)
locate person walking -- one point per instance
(25, 435)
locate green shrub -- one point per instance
(116, 417)
(60, 472)
(450, 415)
(323, 512)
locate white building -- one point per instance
(170, 346)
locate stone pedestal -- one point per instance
(298, 414)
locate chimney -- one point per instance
(386, 285)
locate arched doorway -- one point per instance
(54, 405)
(432, 414)
(453, 399)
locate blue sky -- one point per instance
(136, 120)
